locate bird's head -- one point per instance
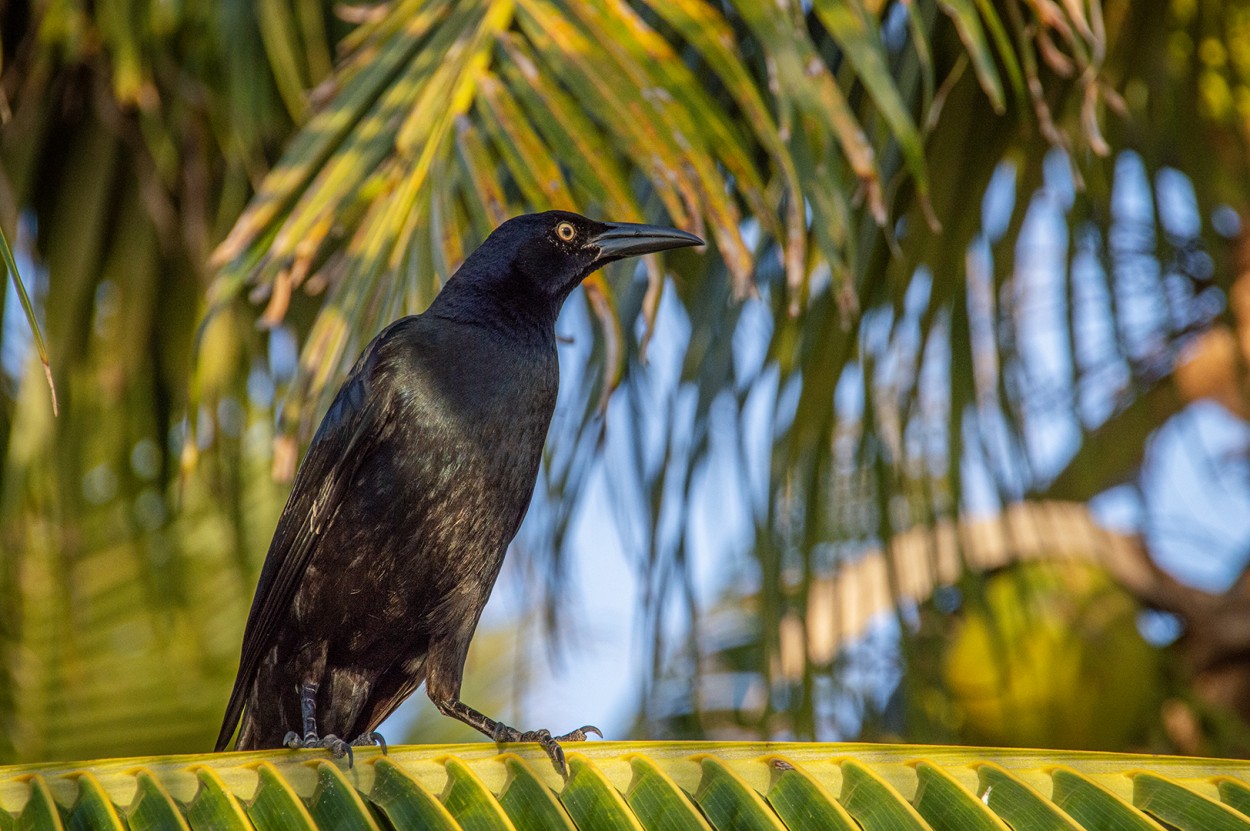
(537, 259)
(559, 249)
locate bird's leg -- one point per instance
(308, 711)
(500, 732)
(369, 739)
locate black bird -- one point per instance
(415, 483)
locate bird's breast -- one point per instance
(441, 491)
(466, 448)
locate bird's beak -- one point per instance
(627, 239)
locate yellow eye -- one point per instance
(566, 231)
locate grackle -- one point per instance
(415, 483)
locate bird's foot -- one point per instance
(337, 747)
(370, 739)
(550, 743)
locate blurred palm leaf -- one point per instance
(442, 124)
(28, 309)
(638, 785)
(129, 133)
(1036, 311)
(1043, 595)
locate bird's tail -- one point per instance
(264, 724)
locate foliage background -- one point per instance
(974, 293)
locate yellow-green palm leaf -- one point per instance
(445, 118)
(651, 785)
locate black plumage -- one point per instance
(414, 485)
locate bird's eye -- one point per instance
(566, 231)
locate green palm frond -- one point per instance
(443, 123)
(129, 134)
(649, 785)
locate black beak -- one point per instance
(626, 239)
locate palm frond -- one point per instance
(450, 122)
(133, 133)
(28, 309)
(637, 785)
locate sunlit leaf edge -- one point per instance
(755, 768)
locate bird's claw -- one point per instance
(549, 743)
(337, 747)
(580, 734)
(370, 739)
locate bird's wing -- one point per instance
(355, 421)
